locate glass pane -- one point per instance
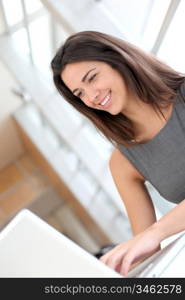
(51, 136)
(173, 47)
(13, 11)
(131, 14)
(136, 19)
(155, 15)
(33, 115)
(33, 5)
(60, 33)
(20, 40)
(41, 48)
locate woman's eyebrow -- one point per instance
(84, 78)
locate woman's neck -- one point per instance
(145, 120)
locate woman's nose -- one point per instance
(93, 97)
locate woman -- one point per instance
(138, 103)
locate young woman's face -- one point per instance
(97, 84)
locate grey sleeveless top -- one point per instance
(161, 160)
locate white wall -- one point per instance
(10, 144)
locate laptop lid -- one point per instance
(29, 247)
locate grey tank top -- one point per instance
(161, 160)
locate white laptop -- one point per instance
(29, 247)
(168, 262)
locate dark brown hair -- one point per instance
(145, 76)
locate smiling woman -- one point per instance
(125, 71)
(100, 87)
(124, 92)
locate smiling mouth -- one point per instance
(106, 100)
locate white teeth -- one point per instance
(105, 100)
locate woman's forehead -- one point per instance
(80, 66)
(78, 69)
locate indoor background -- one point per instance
(52, 160)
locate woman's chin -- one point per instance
(114, 112)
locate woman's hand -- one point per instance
(121, 257)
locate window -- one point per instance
(13, 11)
(173, 46)
(136, 19)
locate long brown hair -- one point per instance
(145, 76)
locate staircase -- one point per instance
(23, 185)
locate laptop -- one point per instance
(29, 247)
(168, 262)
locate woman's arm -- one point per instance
(147, 242)
(131, 187)
(171, 223)
(148, 236)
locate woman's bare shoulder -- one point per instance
(119, 161)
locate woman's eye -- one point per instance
(79, 94)
(92, 77)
